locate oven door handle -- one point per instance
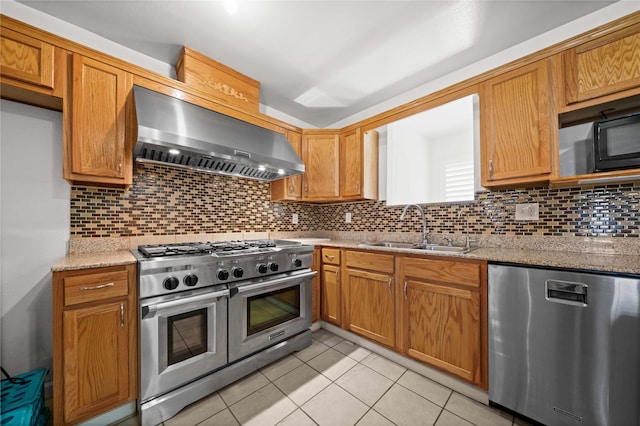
(179, 302)
(271, 283)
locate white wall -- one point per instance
(34, 231)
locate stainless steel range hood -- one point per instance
(176, 133)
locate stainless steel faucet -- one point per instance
(425, 233)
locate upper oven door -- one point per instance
(263, 313)
(181, 339)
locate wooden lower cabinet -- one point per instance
(369, 296)
(443, 315)
(331, 297)
(315, 286)
(95, 342)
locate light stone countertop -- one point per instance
(629, 264)
(93, 260)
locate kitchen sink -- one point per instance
(391, 244)
(451, 249)
(413, 246)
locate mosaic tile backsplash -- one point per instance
(170, 201)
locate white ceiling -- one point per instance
(323, 61)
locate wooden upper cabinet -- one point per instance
(98, 149)
(605, 66)
(359, 164)
(515, 117)
(26, 59)
(31, 71)
(321, 157)
(290, 188)
(351, 164)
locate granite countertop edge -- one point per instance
(597, 262)
(628, 264)
(75, 261)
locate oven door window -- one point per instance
(186, 335)
(271, 309)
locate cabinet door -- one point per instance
(370, 309)
(96, 359)
(442, 327)
(331, 298)
(290, 188)
(351, 165)
(315, 286)
(98, 147)
(515, 119)
(321, 156)
(26, 59)
(605, 66)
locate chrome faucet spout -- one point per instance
(425, 233)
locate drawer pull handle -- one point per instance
(96, 287)
(329, 257)
(405, 290)
(122, 315)
(389, 285)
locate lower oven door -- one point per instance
(181, 338)
(263, 313)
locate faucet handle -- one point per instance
(449, 241)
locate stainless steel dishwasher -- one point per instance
(564, 346)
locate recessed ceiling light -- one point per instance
(174, 152)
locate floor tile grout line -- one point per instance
(357, 362)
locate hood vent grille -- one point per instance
(203, 163)
(176, 133)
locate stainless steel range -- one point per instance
(213, 312)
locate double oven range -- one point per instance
(213, 312)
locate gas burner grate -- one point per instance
(202, 248)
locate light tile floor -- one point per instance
(335, 382)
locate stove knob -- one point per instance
(171, 283)
(237, 272)
(223, 274)
(262, 268)
(297, 263)
(190, 280)
(273, 266)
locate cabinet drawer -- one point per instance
(93, 287)
(331, 256)
(372, 261)
(445, 271)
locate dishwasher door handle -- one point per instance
(566, 292)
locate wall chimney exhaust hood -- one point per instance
(176, 133)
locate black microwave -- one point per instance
(616, 143)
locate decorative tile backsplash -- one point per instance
(170, 201)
